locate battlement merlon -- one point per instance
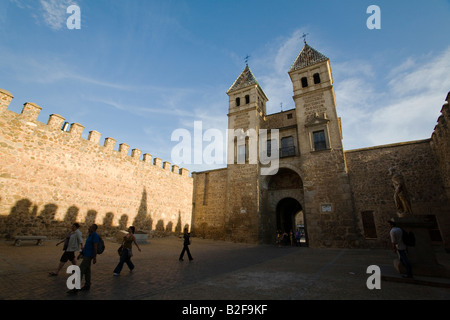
(136, 154)
(76, 130)
(5, 99)
(31, 111)
(55, 122)
(147, 158)
(123, 149)
(94, 137)
(166, 165)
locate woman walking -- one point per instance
(127, 252)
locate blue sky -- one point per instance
(137, 70)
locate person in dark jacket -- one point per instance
(186, 244)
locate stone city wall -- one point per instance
(373, 192)
(210, 190)
(50, 178)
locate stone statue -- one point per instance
(401, 196)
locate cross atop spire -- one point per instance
(304, 37)
(246, 59)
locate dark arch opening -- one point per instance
(316, 77)
(287, 209)
(290, 219)
(304, 82)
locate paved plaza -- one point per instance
(220, 271)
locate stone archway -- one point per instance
(283, 202)
(287, 210)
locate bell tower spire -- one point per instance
(246, 113)
(321, 149)
(315, 101)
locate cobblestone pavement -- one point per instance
(220, 271)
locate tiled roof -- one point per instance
(308, 56)
(244, 80)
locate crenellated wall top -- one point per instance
(31, 111)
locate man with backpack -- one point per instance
(398, 245)
(89, 255)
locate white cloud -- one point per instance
(54, 12)
(273, 70)
(21, 4)
(406, 109)
(287, 53)
(377, 105)
(428, 75)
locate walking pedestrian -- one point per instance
(89, 256)
(278, 238)
(127, 252)
(72, 243)
(297, 237)
(399, 247)
(186, 244)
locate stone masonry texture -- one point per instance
(51, 178)
(354, 182)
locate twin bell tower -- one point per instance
(309, 188)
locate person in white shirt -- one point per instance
(72, 243)
(399, 247)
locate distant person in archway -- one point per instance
(278, 238)
(298, 236)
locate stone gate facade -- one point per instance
(297, 174)
(343, 198)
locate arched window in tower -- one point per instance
(238, 102)
(247, 99)
(316, 77)
(304, 82)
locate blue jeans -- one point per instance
(124, 258)
(405, 261)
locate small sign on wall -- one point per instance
(326, 208)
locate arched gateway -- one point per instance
(339, 194)
(283, 209)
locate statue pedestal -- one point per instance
(422, 257)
